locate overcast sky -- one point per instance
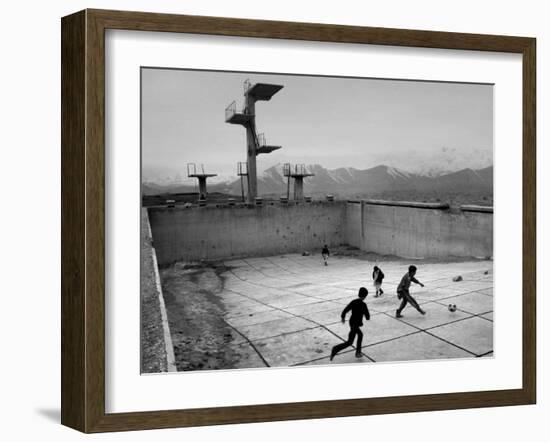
(335, 122)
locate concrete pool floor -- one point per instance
(285, 311)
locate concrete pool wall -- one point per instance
(419, 230)
(410, 230)
(209, 233)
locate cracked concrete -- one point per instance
(285, 311)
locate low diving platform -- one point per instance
(192, 172)
(266, 149)
(263, 147)
(297, 172)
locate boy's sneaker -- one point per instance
(397, 314)
(423, 312)
(332, 354)
(358, 354)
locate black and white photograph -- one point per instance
(255, 221)
(299, 220)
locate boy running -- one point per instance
(358, 309)
(325, 253)
(378, 277)
(403, 292)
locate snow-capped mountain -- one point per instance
(434, 163)
(349, 182)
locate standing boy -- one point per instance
(325, 252)
(358, 309)
(403, 292)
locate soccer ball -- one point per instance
(452, 308)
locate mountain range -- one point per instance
(350, 182)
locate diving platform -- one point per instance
(262, 91)
(234, 115)
(297, 172)
(266, 149)
(201, 176)
(263, 147)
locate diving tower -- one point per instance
(297, 172)
(192, 172)
(246, 116)
(242, 171)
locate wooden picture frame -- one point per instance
(83, 220)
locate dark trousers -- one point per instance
(406, 298)
(354, 330)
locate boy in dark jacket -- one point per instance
(378, 277)
(403, 292)
(325, 253)
(358, 309)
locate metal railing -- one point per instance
(286, 169)
(191, 169)
(246, 86)
(300, 169)
(233, 109)
(260, 138)
(230, 110)
(296, 169)
(242, 168)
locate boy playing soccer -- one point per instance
(403, 292)
(358, 309)
(378, 277)
(325, 252)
